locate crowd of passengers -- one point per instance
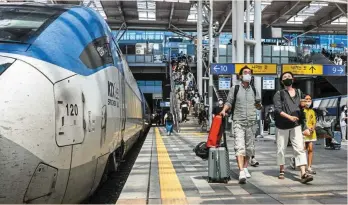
(295, 121)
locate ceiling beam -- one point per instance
(339, 7)
(120, 10)
(171, 15)
(226, 13)
(286, 10)
(335, 14)
(225, 17)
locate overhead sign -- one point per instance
(225, 83)
(222, 68)
(268, 83)
(156, 95)
(303, 69)
(234, 68)
(335, 70)
(258, 68)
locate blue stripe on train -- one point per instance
(62, 42)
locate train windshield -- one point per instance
(18, 23)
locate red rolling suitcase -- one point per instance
(215, 134)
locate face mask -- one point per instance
(247, 78)
(308, 105)
(345, 108)
(287, 82)
(324, 114)
(220, 102)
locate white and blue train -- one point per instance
(70, 107)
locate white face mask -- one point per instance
(324, 114)
(246, 78)
(345, 108)
(220, 102)
(308, 105)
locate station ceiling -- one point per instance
(299, 16)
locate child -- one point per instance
(311, 137)
(307, 118)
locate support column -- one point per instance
(240, 32)
(234, 35)
(310, 87)
(216, 46)
(248, 30)
(211, 47)
(257, 53)
(199, 48)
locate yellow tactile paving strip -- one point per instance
(171, 190)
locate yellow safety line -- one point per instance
(171, 190)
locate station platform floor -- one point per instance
(167, 171)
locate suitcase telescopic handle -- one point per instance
(223, 125)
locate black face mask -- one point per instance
(287, 82)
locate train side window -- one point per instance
(97, 53)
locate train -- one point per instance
(70, 107)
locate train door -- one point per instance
(123, 105)
(69, 112)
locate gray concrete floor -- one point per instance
(328, 187)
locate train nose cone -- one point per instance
(17, 166)
(27, 140)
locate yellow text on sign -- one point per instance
(305, 69)
(258, 69)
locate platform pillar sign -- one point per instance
(268, 83)
(225, 83)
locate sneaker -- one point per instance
(242, 177)
(168, 133)
(292, 163)
(247, 174)
(254, 162)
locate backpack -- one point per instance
(236, 89)
(170, 117)
(201, 150)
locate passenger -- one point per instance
(244, 120)
(287, 108)
(343, 122)
(324, 126)
(169, 119)
(310, 120)
(184, 110)
(218, 108)
(195, 103)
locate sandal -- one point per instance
(281, 175)
(311, 171)
(306, 177)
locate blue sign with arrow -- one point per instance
(334, 70)
(222, 69)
